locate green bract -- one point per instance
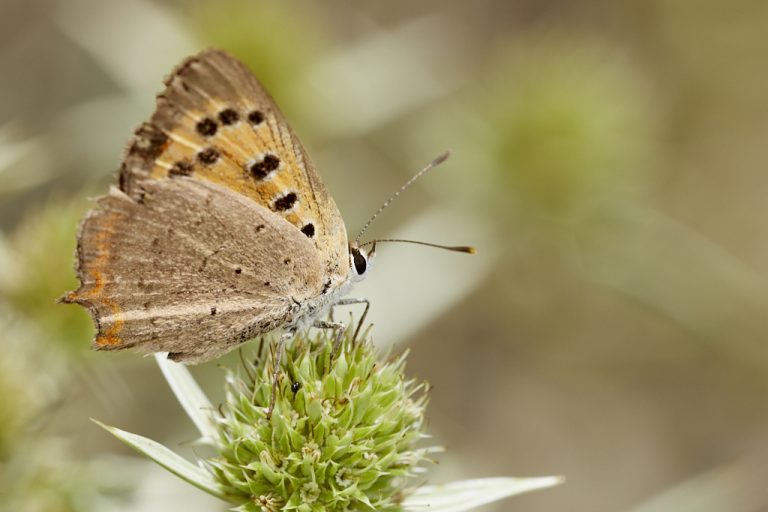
(341, 436)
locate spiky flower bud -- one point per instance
(342, 435)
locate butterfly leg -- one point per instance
(350, 301)
(323, 324)
(276, 372)
(339, 328)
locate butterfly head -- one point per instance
(360, 260)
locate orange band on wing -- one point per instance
(110, 337)
(96, 271)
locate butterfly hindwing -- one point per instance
(169, 273)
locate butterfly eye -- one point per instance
(360, 262)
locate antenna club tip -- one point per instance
(468, 250)
(441, 158)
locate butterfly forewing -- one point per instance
(215, 122)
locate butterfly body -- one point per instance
(220, 229)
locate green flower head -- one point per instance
(342, 435)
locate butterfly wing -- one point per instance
(192, 268)
(215, 122)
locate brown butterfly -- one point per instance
(220, 229)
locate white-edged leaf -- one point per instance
(190, 396)
(469, 494)
(168, 459)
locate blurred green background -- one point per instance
(609, 164)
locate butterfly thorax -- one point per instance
(316, 308)
(338, 285)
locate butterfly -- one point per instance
(220, 229)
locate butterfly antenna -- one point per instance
(456, 248)
(434, 163)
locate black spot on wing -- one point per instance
(261, 169)
(256, 117)
(208, 156)
(149, 141)
(309, 230)
(207, 127)
(285, 202)
(228, 116)
(180, 168)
